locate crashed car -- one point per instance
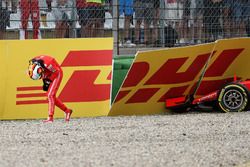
(232, 97)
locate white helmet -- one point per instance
(35, 71)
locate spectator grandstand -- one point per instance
(195, 21)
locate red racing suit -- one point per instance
(54, 73)
(30, 7)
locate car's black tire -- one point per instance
(233, 98)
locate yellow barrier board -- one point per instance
(87, 66)
(231, 57)
(160, 74)
(2, 76)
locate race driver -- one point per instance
(46, 68)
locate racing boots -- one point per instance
(50, 119)
(68, 115)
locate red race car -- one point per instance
(232, 97)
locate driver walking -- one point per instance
(47, 68)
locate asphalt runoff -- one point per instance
(190, 139)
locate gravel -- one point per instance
(191, 139)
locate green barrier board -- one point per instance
(120, 69)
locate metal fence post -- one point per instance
(115, 27)
(73, 30)
(162, 21)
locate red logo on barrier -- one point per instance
(81, 85)
(168, 74)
